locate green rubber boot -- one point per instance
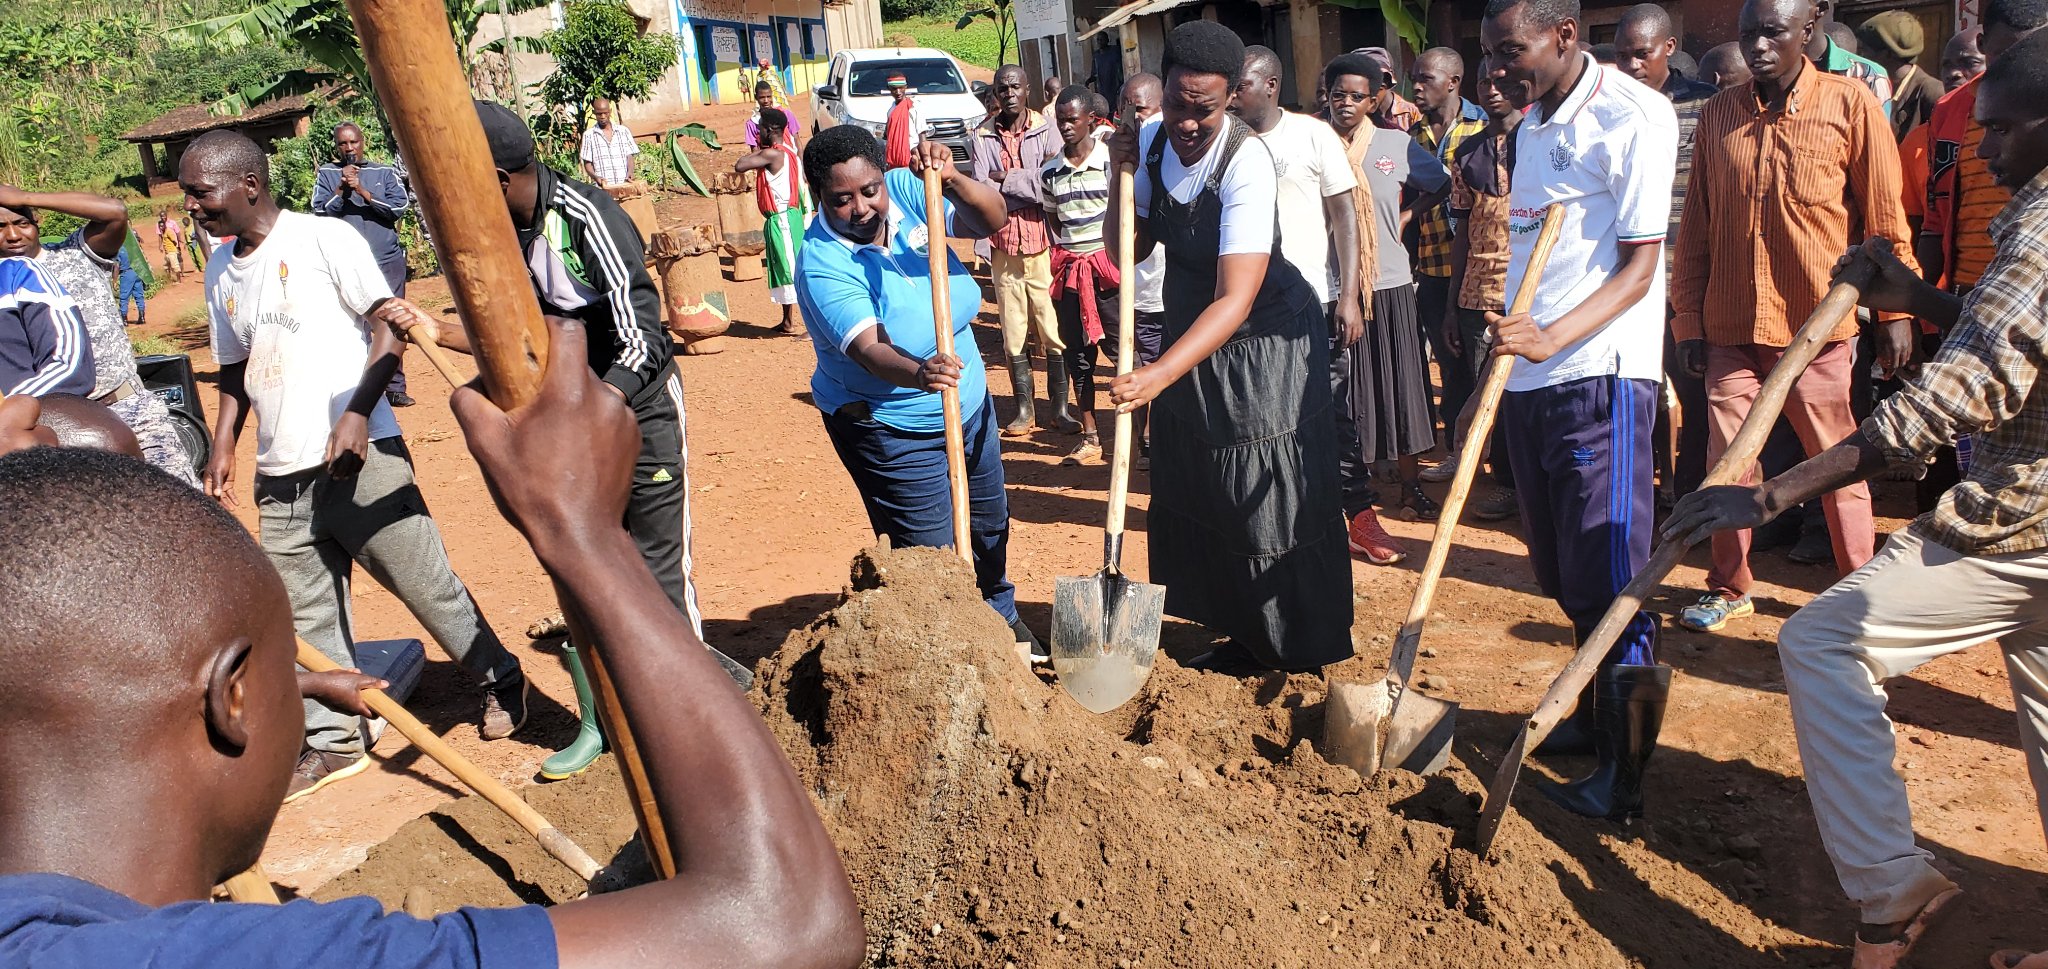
(581, 752)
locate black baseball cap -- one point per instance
(510, 139)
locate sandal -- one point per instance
(1419, 503)
(2019, 959)
(1892, 954)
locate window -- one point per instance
(927, 75)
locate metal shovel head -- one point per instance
(1419, 731)
(1105, 635)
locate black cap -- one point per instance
(510, 139)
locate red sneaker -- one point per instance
(1373, 542)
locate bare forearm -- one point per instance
(767, 892)
(978, 210)
(1937, 306)
(85, 205)
(1343, 221)
(385, 358)
(106, 218)
(888, 362)
(1853, 460)
(233, 408)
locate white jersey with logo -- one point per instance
(1309, 160)
(1607, 155)
(293, 310)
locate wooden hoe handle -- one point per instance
(1733, 466)
(429, 743)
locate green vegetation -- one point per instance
(975, 44)
(894, 10)
(600, 53)
(152, 345)
(75, 74)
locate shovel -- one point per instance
(942, 326)
(1733, 467)
(1105, 627)
(1366, 727)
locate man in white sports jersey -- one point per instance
(289, 303)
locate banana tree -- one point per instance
(1407, 17)
(1006, 26)
(323, 32)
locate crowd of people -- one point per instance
(1295, 276)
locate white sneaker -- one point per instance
(1442, 471)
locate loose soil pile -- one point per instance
(987, 820)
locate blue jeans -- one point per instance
(131, 288)
(902, 480)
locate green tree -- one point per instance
(600, 53)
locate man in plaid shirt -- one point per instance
(1447, 120)
(608, 148)
(1973, 570)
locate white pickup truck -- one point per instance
(856, 92)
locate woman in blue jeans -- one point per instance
(863, 280)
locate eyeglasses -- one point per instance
(1350, 96)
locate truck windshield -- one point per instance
(927, 75)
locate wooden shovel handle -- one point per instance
(1409, 641)
(1733, 466)
(252, 887)
(942, 329)
(425, 93)
(436, 356)
(429, 743)
(1126, 351)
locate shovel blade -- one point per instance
(1419, 734)
(1105, 636)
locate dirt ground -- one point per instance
(1729, 863)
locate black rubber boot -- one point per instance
(1628, 713)
(1020, 384)
(1573, 736)
(1057, 389)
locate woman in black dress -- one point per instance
(1246, 530)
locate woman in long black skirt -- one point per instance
(1246, 530)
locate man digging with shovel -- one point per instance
(1973, 570)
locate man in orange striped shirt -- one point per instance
(1789, 170)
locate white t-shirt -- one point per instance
(1248, 188)
(1310, 163)
(293, 309)
(1608, 155)
(1151, 295)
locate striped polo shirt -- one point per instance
(1077, 199)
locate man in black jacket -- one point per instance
(587, 262)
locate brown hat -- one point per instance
(1898, 31)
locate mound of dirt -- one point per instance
(987, 820)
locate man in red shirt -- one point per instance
(904, 129)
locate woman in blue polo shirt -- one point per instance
(863, 281)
